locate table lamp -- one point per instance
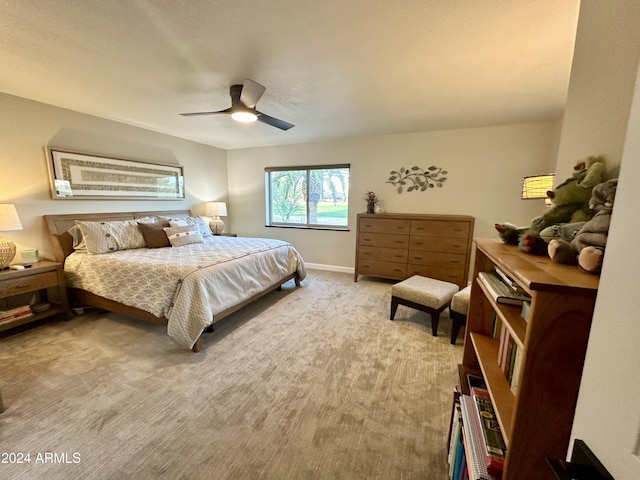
(216, 210)
(536, 187)
(9, 220)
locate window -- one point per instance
(308, 197)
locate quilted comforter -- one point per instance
(189, 284)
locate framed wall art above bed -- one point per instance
(78, 175)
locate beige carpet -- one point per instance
(308, 383)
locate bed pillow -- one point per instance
(203, 225)
(154, 234)
(106, 237)
(78, 239)
(179, 236)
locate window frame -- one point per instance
(269, 221)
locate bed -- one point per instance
(187, 286)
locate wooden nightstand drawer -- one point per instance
(28, 284)
(40, 276)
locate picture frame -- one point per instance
(81, 175)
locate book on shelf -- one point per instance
(509, 282)
(499, 291)
(21, 311)
(476, 381)
(472, 437)
(456, 426)
(515, 374)
(492, 442)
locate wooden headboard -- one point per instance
(59, 226)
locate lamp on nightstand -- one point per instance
(9, 220)
(216, 210)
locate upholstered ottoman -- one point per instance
(458, 311)
(424, 294)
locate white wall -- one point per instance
(27, 127)
(603, 114)
(485, 167)
(602, 81)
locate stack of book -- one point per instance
(502, 289)
(18, 312)
(476, 446)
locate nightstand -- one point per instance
(39, 276)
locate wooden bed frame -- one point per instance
(62, 241)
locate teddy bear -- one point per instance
(588, 245)
(570, 204)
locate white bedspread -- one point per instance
(188, 284)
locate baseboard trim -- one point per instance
(331, 268)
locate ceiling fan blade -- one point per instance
(193, 114)
(251, 93)
(274, 122)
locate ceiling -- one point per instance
(334, 68)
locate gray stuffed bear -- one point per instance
(588, 245)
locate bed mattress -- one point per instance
(190, 284)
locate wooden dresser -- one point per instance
(398, 246)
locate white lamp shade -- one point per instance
(215, 209)
(9, 219)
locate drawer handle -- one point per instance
(419, 243)
(419, 228)
(417, 258)
(400, 242)
(367, 239)
(399, 256)
(24, 285)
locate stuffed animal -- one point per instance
(587, 247)
(570, 204)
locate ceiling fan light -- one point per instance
(245, 117)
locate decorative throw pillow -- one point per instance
(202, 225)
(179, 222)
(154, 234)
(106, 237)
(179, 236)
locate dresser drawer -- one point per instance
(439, 244)
(452, 275)
(395, 255)
(438, 228)
(382, 269)
(385, 240)
(28, 284)
(385, 225)
(454, 260)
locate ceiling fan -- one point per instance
(243, 106)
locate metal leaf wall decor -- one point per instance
(416, 179)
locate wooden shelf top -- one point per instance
(417, 216)
(538, 272)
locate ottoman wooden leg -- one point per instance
(435, 319)
(394, 307)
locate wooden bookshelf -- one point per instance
(536, 419)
